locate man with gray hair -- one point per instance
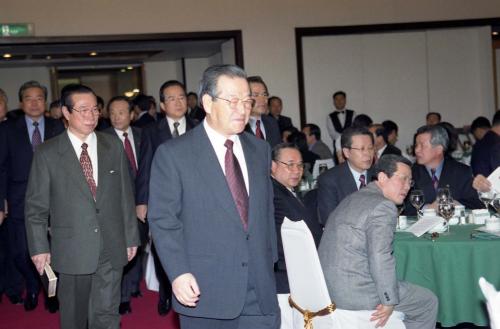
(434, 170)
(211, 213)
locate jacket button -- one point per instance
(248, 237)
(96, 230)
(244, 264)
(97, 211)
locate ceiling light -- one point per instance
(7, 55)
(93, 53)
(48, 57)
(123, 70)
(130, 68)
(495, 33)
(136, 90)
(129, 93)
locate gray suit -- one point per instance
(197, 229)
(357, 259)
(88, 237)
(322, 150)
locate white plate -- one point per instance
(484, 229)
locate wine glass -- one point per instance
(496, 204)
(446, 209)
(486, 197)
(443, 193)
(417, 200)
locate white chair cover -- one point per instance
(328, 162)
(492, 302)
(308, 286)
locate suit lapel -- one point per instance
(350, 184)
(164, 130)
(24, 139)
(104, 165)
(248, 151)
(137, 140)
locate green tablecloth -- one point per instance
(450, 267)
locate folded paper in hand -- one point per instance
(424, 224)
(49, 280)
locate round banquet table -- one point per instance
(451, 266)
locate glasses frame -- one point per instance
(290, 166)
(362, 150)
(247, 103)
(93, 111)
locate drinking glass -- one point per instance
(486, 197)
(417, 200)
(496, 204)
(446, 209)
(443, 193)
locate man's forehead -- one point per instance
(232, 85)
(403, 168)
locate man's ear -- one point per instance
(206, 101)
(382, 177)
(65, 112)
(346, 152)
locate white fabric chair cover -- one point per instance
(492, 302)
(308, 286)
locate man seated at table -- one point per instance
(434, 170)
(357, 256)
(340, 181)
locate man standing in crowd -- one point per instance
(356, 251)
(81, 178)
(434, 170)
(275, 105)
(485, 155)
(340, 181)
(120, 113)
(338, 120)
(173, 103)
(316, 145)
(382, 145)
(260, 124)
(195, 112)
(391, 129)
(145, 110)
(432, 118)
(211, 213)
(18, 140)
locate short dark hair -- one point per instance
(388, 164)
(257, 79)
(496, 119)
(479, 122)
(339, 92)
(210, 78)
(168, 84)
(56, 103)
(276, 152)
(72, 89)
(390, 126)
(349, 133)
(31, 84)
(191, 93)
(380, 131)
(119, 99)
(143, 102)
(100, 101)
(314, 130)
(433, 113)
(439, 135)
(274, 98)
(362, 120)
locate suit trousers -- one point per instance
(133, 271)
(165, 288)
(251, 317)
(91, 299)
(10, 279)
(419, 305)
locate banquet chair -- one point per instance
(313, 307)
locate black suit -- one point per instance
(272, 131)
(455, 175)
(16, 155)
(391, 149)
(284, 122)
(484, 158)
(333, 186)
(197, 114)
(286, 204)
(143, 121)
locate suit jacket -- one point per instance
(391, 149)
(333, 186)
(356, 251)
(82, 229)
(16, 154)
(322, 150)
(284, 122)
(484, 159)
(286, 204)
(152, 136)
(137, 132)
(273, 135)
(197, 114)
(197, 229)
(455, 175)
(143, 121)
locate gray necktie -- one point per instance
(176, 131)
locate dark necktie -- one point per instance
(175, 134)
(87, 169)
(362, 181)
(435, 180)
(258, 131)
(236, 183)
(36, 137)
(129, 151)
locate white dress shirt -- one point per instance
(182, 125)
(91, 141)
(356, 175)
(130, 138)
(217, 140)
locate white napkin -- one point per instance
(492, 302)
(494, 179)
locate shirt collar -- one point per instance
(438, 169)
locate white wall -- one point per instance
(227, 52)
(497, 54)
(194, 70)
(12, 79)
(156, 73)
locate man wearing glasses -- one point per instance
(260, 124)
(81, 179)
(340, 181)
(211, 213)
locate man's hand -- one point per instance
(131, 251)
(40, 260)
(186, 289)
(382, 314)
(481, 183)
(141, 210)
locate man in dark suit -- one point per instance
(211, 213)
(196, 113)
(120, 113)
(173, 103)
(18, 139)
(382, 145)
(314, 142)
(3, 105)
(81, 178)
(145, 111)
(275, 106)
(260, 124)
(340, 181)
(484, 159)
(287, 169)
(434, 170)
(338, 120)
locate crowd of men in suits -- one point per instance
(205, 178)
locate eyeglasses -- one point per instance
(405, 178)
(86, 110)
(363, 149)
(171, 99)
(290, 166)
(255, 95)
(233, 102)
